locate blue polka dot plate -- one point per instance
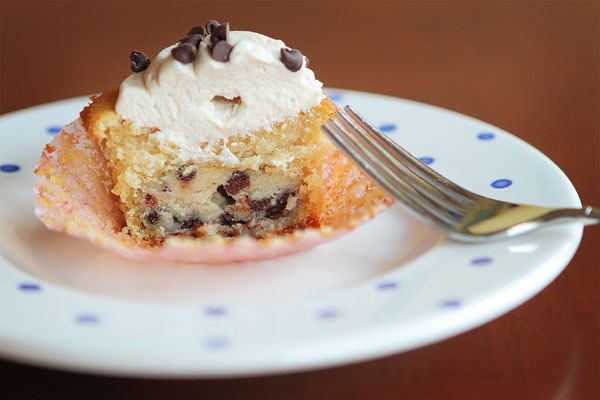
(391, 285)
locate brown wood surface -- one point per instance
(530, 67)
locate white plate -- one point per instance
(391, 285)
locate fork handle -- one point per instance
(587, 214)
(592, 214)
(529, 218)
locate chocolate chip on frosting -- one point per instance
(139, 61)
(194, 39)
(220, 51)
(292, 59)
(210, 25)
(197, 30)
(185, 53)
(219, 33)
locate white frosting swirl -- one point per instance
(208, 100)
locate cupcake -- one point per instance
(210, 152)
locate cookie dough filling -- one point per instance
(221, 202)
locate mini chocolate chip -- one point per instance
(228, 199)
(139, 61)
(274, 212)
(193, 39)
(227, 219)
(219, 33)
(185, 174)
(210, 25)
(278, 210)
(259, 205)
(197, 30)
(191, 223)
(221, 50)
(151, 200)
(292, 59)
(164, 187)
(185, 53)
(237, 181)
(152, 217)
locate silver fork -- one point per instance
(458, 212)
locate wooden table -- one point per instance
(529, 67)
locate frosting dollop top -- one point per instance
(209, 99)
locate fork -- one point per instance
(459, 213)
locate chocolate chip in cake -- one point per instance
(237, 181)
(191, 223)
(164, 187)
(210, 25)
(197, 30)
(275, 212)
(139, 61)
(259, 205)
(228, 199)
(152, 217)
(219, 33)
(292, 59)
(278, 210)
(151, 200)
(220, 51)
(186, 173)
(193, 39)
(185, 53)
(227, 219)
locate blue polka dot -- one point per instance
(387, 128)
(427, 160)
(501, 183)
(29, 287)
(486, 136)
(9, 168)
(87, 319)
(451, 303)
(328, 314)
(216, 343)
(388, 285)
(481, 261)
(215, 311)
(336, 96)
(53, 129)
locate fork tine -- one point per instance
(399, 168)
(441, 183)
(340, 138)
(389, 181)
